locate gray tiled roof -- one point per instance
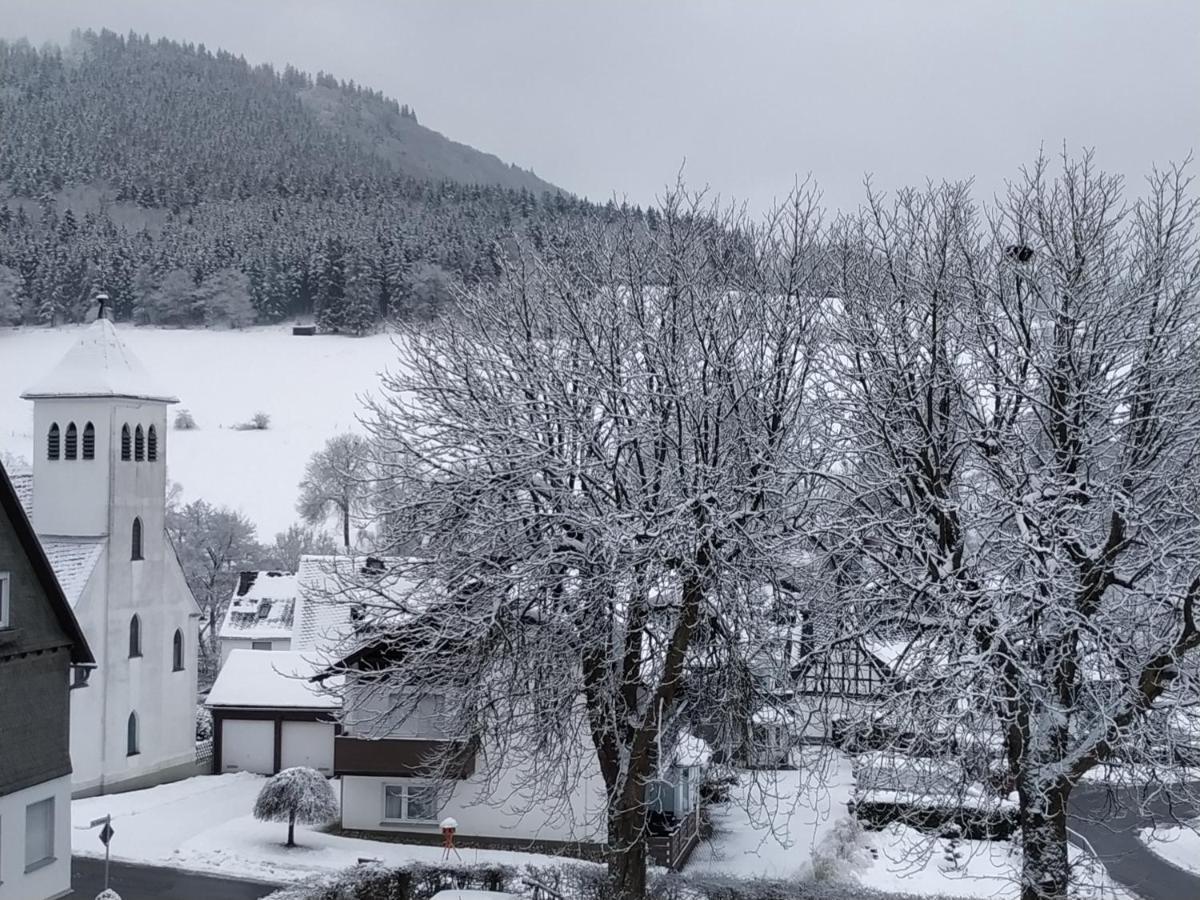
(73, 562)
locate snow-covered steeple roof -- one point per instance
(99, 365)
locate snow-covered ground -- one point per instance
(1179, 846)
(204, 824)
(795, 825)
(309, 386)
(775, 820)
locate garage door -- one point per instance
(247, 746)
(308, 744)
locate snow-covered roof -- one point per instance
(73, 562)
(270, 679)
(692, 751)
(263, 606)
(99, 365)
(332, 590)
(22, 482)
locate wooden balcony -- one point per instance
(401, 758)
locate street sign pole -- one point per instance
(106, 834)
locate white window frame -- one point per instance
(5, 599)
(407, 786)
(48, 858)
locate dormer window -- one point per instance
(72, 448)
(126, 444)
(52, 442)
(152, 444)
(139, 444)
(89, 441)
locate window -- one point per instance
(135, 637)
(89, 441)
(152, 444)
(135, 540)
(72, 442)
(131, 736)
(139, 444)
(260, 645)
(52, 442)
(126, 443)
(177, 651)
(409, 802)
(39, 834)
(5, 600)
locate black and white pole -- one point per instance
(106, 833)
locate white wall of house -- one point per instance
(228, 645)
(101, 498)
(43, 879)
(496, 801)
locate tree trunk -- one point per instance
(1046, 870)
(346, 526)
(292, 830)
(627, 854)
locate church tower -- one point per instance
(99, 457)
(99, 508)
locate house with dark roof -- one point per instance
(44, 660)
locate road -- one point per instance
(155, 883)
(1112, 831)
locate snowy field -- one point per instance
(309, 386)
(1179, 846)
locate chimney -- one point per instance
(245, 581)
(102, 312)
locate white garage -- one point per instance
(307, 744)
(248, 745)
(268, 715)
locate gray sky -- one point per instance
(613, 97)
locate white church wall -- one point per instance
(71, 494)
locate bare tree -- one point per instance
(335, 479)
(604, 456)
(1020, 420)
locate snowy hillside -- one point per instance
(309, 386)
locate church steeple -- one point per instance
(88, 478)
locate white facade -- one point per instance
(35, 850)
(138, 726)
(228, 645)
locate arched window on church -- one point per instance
(89, 441)
(52, 442)
(152, 444)
(135, 540)
(126, 443)
(72, 443)
(135, 637)
(177, 651)
(139, 444)
(131, 736)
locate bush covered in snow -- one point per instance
(204, 725)
(184, 421)
(108, 894)
(296, 795)
(260, 421)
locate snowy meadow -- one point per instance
(308, 386)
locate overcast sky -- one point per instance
(607, 98)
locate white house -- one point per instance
(98, 498)
(261, 614)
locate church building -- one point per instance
(98, 503)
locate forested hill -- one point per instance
(195, 188)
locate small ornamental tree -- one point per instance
(296, 795)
